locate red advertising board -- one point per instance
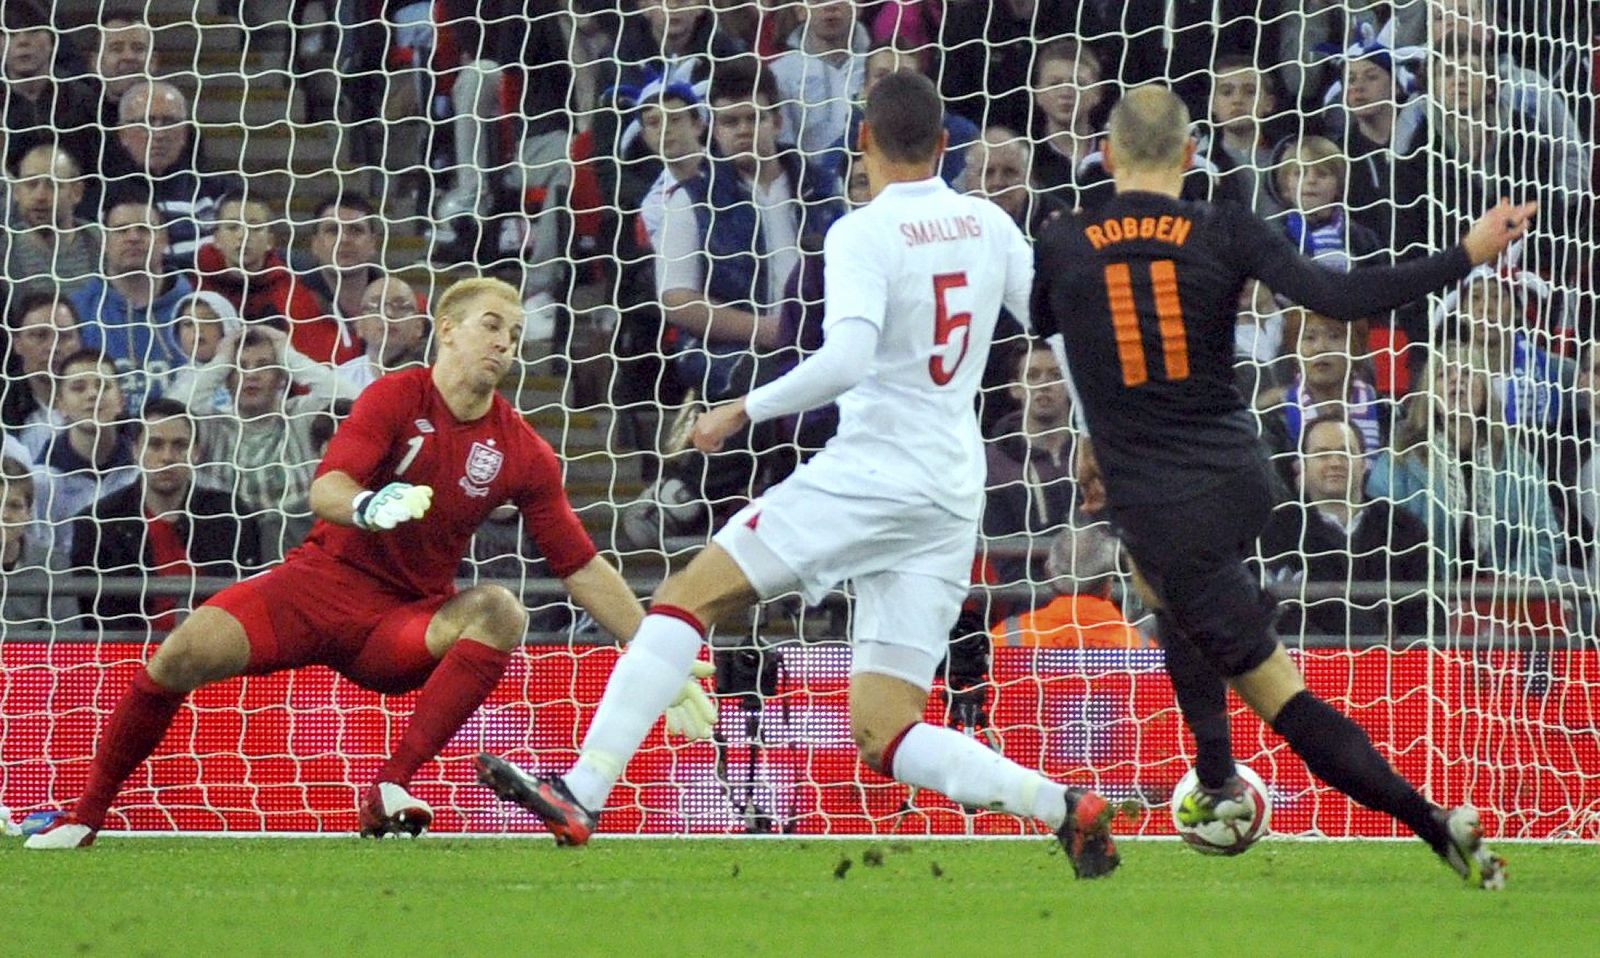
(1517, 734)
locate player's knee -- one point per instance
(497, 617)
(679, 593)
(874, 734)
(188, 660)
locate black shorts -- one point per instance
(1192, 553)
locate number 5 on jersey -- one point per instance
(945, 326)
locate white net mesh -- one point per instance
(193, 186)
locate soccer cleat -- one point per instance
(62, 833)
(544, 795)
(1465, 852)
(1230, 803)
(388, 809)
(1086, 835)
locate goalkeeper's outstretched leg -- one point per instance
(454, 649)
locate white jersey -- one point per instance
(930, 268)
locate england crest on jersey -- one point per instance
(483, 464)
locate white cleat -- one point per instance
(62, 834)
(388, 809)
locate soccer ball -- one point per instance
(1224, 838)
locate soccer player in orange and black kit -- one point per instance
(424, 458)
(1144, 296)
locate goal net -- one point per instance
(244, 209)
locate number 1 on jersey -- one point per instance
(1169, 317)
(415, 444)
(945, 325)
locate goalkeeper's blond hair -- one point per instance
(452, 305)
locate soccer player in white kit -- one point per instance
(914, 283)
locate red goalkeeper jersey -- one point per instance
(401, 430)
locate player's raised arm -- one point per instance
(1365, 292)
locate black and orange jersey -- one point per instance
(1145, 294)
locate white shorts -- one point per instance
(911, 565)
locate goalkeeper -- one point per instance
(424, 458)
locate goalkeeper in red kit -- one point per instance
(424, 458)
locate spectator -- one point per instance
(1310, 179)
(1242, 103)
(243, 263)
(732, 237)
(161, 526)
(663, 146)
(1259, 365)
(1468, 25)
(885, 60)
(1382, 130)
(819, 80)
(1030, 485)
(36, 109)
(997, 168)
(345, 254)
(1497, 315)
(124, 54)
(199, 324)
(44, 247)
(908, 24)
(26, 560)
(394, 329)
(990, 49)
(128, 312)
(531, 39)
(1489, 141)
(1082, 567)
(1069, 97)
(670, 42)
(88, 456)
(1309, 30)
(42, 328)
(668, 147)
(1334, 534)
(261, 450)
(1467, 476)
(1328, 382)
(160, 139)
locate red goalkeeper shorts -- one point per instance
(317, 611)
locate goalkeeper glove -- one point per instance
(692, 714)
(388, 507)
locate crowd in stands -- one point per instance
(176, 356)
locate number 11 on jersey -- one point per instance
(945, 325)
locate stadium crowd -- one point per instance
(179, 345)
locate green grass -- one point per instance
(524, 897)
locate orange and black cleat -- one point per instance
(544, 795)
(1086, 835)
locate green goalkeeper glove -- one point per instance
(388, 507)
(692, 714)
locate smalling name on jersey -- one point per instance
(941, 230)
(1167, 229)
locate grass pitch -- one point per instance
(523, 896)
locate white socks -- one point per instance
(646, 680)
(969, 773)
